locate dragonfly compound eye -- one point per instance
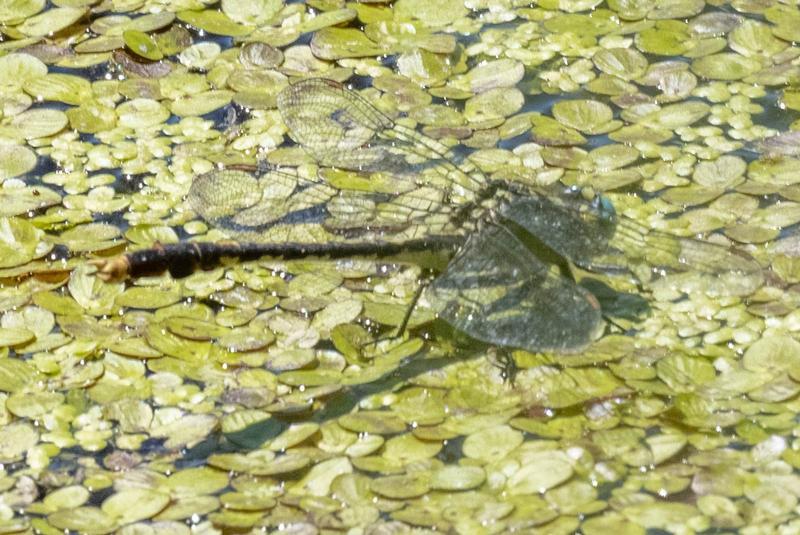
(606, 208)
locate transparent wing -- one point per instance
(280, 206)
(685, 263)
(563, 220)
(594, 237)
(339, 128)
(336, 125)
(498, 291)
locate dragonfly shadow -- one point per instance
(614, 304)
(337, 404)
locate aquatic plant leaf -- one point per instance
(774, 355)
(14, 11)
(587, 116)
(61, 87)
(328, 19)
(51, 21)
(201, 103)
(18, 69)
(15, 160)
(457, 478)
(494, 74)
(41, 122)
(492, 444)
(724, 172)
(752, 38)
(493, 104)
(548, 131)
(600, 22)
(141, 113)
(667, 38)
(625, 63)
(725, 66)
(539, 472)
(20, 242)
(142, 45)
(252, 12)
(337, 43)
(431, 14)
(131, 505)
(16, 440)
(216, 22)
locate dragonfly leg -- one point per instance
(401, 329)
(611, 322)
(503, 359)
(407, 316)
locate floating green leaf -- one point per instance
(130, 505)
(214, 22)
(142, 45)
(18, 69)
(774, 354)
(600, 22)
(85, 519)
(19, 242)
(539, 472)
(255, 12)
(141, 113)
(201, 103)
(493, 104)
(51, 21)
(14, 11)
(625, 63)
(667, 38)
(337, 43)
(15, 160)
(40, 122)
(61, 87)
(725, 66)
(432, 14)
(15, 441)
(587, 116)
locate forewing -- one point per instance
(334, 124)
(499, 292)
(340, 128)
(590, 234)
(567, 223)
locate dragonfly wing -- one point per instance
(334, 124)
(279, 206)
(566, 223)
(340, 128)
(591, 235)
(686, 263)
(497, 291)
(221, 193)
(241, 203)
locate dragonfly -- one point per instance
(508, 281)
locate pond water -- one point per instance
(277, 395)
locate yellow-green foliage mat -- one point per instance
(250, 397)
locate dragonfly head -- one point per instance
(604, 208)
(600, 205)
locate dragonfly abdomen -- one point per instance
(183, 258)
